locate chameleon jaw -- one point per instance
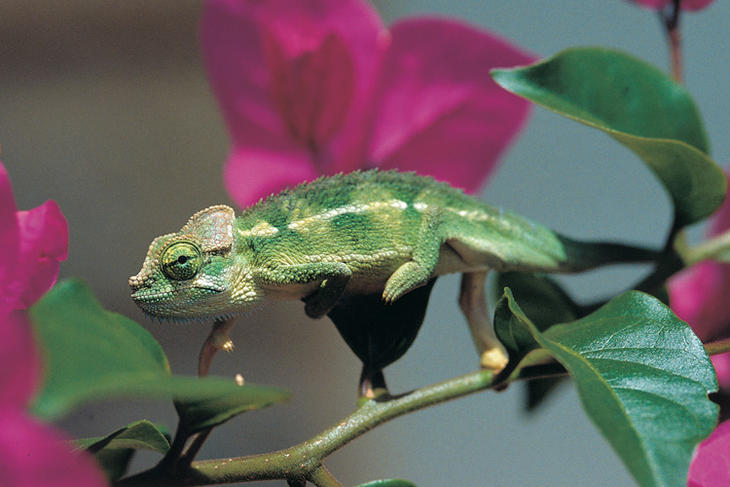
(174, 304)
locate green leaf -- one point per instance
(114, 463)
(640, 107)
(388, 483)
(643, 378)
(545, 303)
(114, 451)
(91, 353)
(379, 333)
(138, 435)
(199, 415)
(542, 299)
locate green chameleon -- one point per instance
(384, 232)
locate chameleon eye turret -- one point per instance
(181, 260)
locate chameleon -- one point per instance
(365, 232)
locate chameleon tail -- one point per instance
(582, 256)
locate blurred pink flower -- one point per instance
(685, 5)
(312, 87)
(33, 243)
(710, 466)
(699, 296)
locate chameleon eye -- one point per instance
(181, 260)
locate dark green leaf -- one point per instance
(540, 297)
(545, 303)
(640, 107)
(204, 414)
(114, 462)
(379, 333)
(388, 483)
(114, 451)
(643, 378)
(538, 390)
(139, 435)
(91, 353)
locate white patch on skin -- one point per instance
(356, 209)
(261, 229)
(473, 215)
(400, 250)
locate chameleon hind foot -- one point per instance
(494, 359)
(218, 339)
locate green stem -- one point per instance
(719, 346)
(321, 477)
(713, 248)
(670, 20)
(304, 460)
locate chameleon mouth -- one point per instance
(148, 297)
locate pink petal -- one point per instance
(254, 51)
(720, 221)
(43, 244)
(711, 464)
(35, 455)
(698, 296)
(19, 361)
(439, 112)
(8, 229)
(313, 90)
(722, 368)
(685, 5)
(250, 175)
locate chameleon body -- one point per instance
(362, 233)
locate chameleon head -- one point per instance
(195, 272)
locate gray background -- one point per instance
(104, 107)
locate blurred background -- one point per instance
(105, 107)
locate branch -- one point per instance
(717, 347)
(305, 459)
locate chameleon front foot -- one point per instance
(218, 339)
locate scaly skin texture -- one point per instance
(359, 233)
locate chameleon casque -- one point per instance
(384, 232)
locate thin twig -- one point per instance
(717, 347)
(321, 477)
(670, 20)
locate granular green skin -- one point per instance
(361, 233)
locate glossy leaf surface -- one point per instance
(642, 376)
(639, 106)
(91, 354)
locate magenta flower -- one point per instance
(312, 87)
(685, 5)
(698, 295)
(710, 466)
(33, 243)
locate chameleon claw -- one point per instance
(227, 345)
